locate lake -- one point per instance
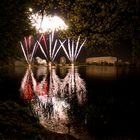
(86, 102)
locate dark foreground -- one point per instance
(17, 123)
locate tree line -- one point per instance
(110, 26)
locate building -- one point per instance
(105, 59)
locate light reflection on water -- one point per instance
(109, 72)
(55, 99)
(106, 72)
(64, 103)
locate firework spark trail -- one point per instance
(33, 52)
(53, 34)
(24, 52)
(80, 49)
(69, 49)
(47, 23)
(54, 56)
(40, 38)
(50, 45)
(64, 50)
(45, 43)
(26, 48)
(53, 49)
(29, 40)
(77, 43)
(73, 51)
(42, 50)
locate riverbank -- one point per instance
(19, 62)
(17, 123)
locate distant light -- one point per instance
(30, 9)
(47, 23)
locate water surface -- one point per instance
(86, 102)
